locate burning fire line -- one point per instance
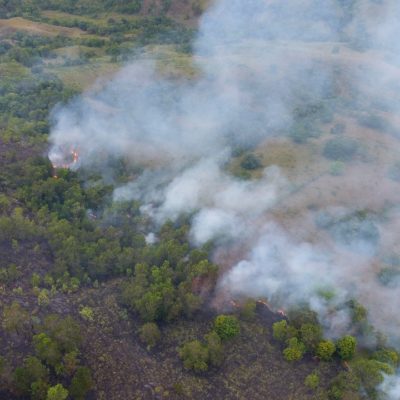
(74, 160)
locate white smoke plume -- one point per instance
(390, 389)
(258, 62)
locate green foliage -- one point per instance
(87, 313)
(194, 356)
(346, 347)
(312, 381)
(251, 162)
(294, 351)
(43, 298)
(282, 331)
(35, 280)
(215, 349)
(81, 383)
(340, 149)
(310, 335)
(150, 334)
(359, 312)
(325, 350)
(168, 288)
(15, 318)
(57, 392)
(46, 349)
(389, 356)
(371, 373)
(279, 330)
(39, 390)
(226, 326)
(344, 384)
(32, 371)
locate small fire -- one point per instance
(264, 303)
(67, 162)
(282, 312)
(75, 156)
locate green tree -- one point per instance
(280, 330)
(310, 334)
(215, 348)
(344, 385)
(226, 326)
(57, 392)
(39, 390)
(371, 373)
(150, 334)
(346, 347)
(294, 351)
(312, 381)
(325, 350)
(32, 371)
(194, 356)
(15, 318)
(81, 383)
(47, 349)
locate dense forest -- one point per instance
(100, 301)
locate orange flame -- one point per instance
(282, 312)
(263, 303)
(74, 159)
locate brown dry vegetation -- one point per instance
(11, 25)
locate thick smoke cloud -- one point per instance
(258, 62)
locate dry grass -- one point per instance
(11, 25)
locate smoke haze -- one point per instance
(260, 64)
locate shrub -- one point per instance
(302, 131)
(226, 326)
(340, 149)
(194, 356)
(150, 334)
(375, 122)
(215, 349)
(251, 162)
(295, 350)
(346, 347)
(87, 313)
(279, 330)
(312, 381)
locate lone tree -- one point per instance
(150, 334)
(227, 326)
